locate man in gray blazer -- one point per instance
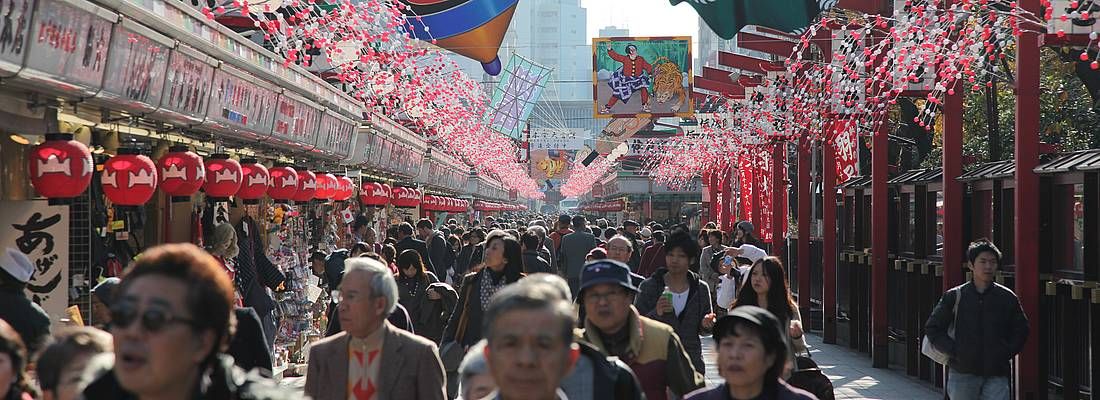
(574, 248)
(371, 358)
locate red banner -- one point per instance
(846, 143)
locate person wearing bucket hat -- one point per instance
(26, 317)
(612, 324)
(743, 234)
(751, 349)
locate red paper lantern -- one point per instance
(345, 188)
(129, 178)
(405, 197)
(223, 177)
(255, 178)
(307, 186)
(374, 194)
(326, 186)
(282, 182)
(60, 167)
(182, 172)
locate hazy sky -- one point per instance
(642, 17)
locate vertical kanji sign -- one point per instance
(41, 232)
(846, 143)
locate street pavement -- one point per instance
(850, 371)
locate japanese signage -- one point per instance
(68, 45)
(240, 104)
(187, 88)
(41, 232)
(13, 43)
(296, 121)
(136, 64)
(846, 143)
(557, 138)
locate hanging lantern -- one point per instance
(282, 182)
(307, 186)
(60, 167)
(345, 188)
(373, 194)
(129, 178)
(223, 177)
(405, 197)
(326, 186)
(254, 181)
(182, 173)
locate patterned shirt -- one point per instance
(363, 365)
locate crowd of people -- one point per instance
(530, 308)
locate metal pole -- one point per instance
(1028, 382)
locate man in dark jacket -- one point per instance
(574, 248)
(630, 230)
(990, 329)
(437, 247)
(406, 241)
(27, 318)
(532, 261)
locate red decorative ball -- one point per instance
(326, 186)
(255, 178)
(60, 167)
(182, 172)
(129, 178)
(307, 186)
(223, 177)
(282, 182)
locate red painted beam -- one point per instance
(716, 75)
(864, 6)
(1030, 384)
(828, 240)
(745, 63)
(724, 88)
(778, 47)
(804, 210)
(750, 81)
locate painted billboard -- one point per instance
(641, 76)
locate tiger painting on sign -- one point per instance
(668, 82)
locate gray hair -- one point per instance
(381, 281)
(473, 364)
(529, 297)
(538, 230)
(628, 242)
(555, 281)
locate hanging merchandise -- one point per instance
(129, 178)
(60, 167)
(223, 177)
(326, 186)
(182, 173)
(307, 186)
(254, 181)
(283, 182)
(296, 304)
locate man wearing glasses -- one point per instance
(350, 364)
(613, 325)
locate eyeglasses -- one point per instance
(152, 319)
(618, 248)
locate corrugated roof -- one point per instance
(917, 176)
(856, 181)
(992, 170)
(1067, 162)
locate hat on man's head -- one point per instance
(646, 233)
(105, 291)
(629, 222)
(607, 271)
(16, 264)
(745, 226)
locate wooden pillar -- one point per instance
(755, 185)
(880, 340)
(804, 210)
(1028, 380)
(729, 215)
(779, 203)
(828, 240)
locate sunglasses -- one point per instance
(152, 319)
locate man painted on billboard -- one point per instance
(634, 76)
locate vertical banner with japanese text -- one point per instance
(41, 232)
(845, 141)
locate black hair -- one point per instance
(563, 219)
(774, 345)
(360, 221)
(714, 233)
(424, 223)
(530, 240)
(361, 247)
(405, 228)
(681, 239)
(780, 301)
(980, 246)
(408, 258)
(579, 220)
(659, 236)
(609, 232)
(513, 257)
(629, 46)
(12, 345)
(318, 255)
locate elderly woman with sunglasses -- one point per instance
(173, 315)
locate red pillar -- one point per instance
(1028, 382)
(880, 345)
(712, 188)
(729, 211)
(779, 201)
(952, 190)
(828, 239)
(754, 184)
(804, 206)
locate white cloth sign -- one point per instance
(41, 232)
